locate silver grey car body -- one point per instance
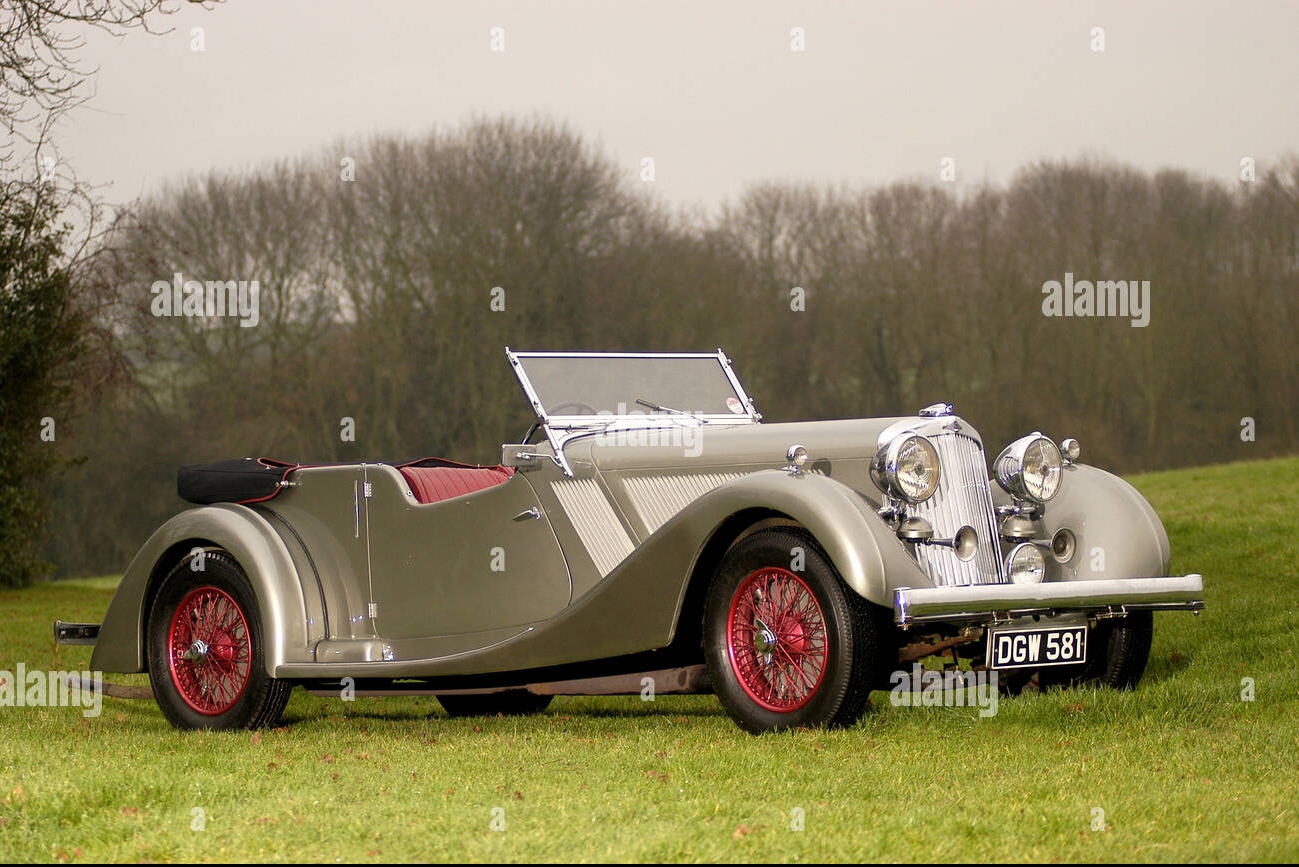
(646, 534)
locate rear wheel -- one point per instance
(785, 646)
(513, 702)
(1117, 652)
(205, 650)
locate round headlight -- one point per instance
(1025, 564)
(1070, 448)
(1029, 468)
(908, 468)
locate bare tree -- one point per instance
(40, 71)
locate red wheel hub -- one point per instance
(209, 650)
(776, 639)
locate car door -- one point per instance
(475, 563)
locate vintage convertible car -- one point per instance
(648, 533)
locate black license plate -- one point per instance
(1036, 646)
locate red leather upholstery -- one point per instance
(431, 484)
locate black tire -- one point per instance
(514, 702)
(1117, 652)
(209, 674)
(816, 660)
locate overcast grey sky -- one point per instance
(713, 91)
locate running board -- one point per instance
(690, 679)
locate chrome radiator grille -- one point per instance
(962, 498)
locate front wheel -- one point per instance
(787, 642)
(205, 649)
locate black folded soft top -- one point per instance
(242, 480)
(253, 480)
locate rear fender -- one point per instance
(292, 621)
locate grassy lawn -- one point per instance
(1182, 769)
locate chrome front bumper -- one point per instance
(990, 602)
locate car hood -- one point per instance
(749, 446)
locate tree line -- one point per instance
(392, 271)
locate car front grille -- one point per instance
(962, 499)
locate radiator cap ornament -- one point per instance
(936, 410)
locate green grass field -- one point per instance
(1182, 769)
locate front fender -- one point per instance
(1119, 534)
(288, 632)
(864, 550)
(866, 553)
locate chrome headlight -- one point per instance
(1030, 468)
(1070, 449)
(1025, 564)
(907, 467)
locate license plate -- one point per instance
(1036, 646)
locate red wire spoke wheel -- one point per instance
(787, 642)
(209, 650)
(205, 652)
(776, 637)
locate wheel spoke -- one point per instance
(776, 635)
(209, 648)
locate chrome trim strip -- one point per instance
(735, 384)
(916, 604)
(556, 443)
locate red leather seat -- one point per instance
(432, 484)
